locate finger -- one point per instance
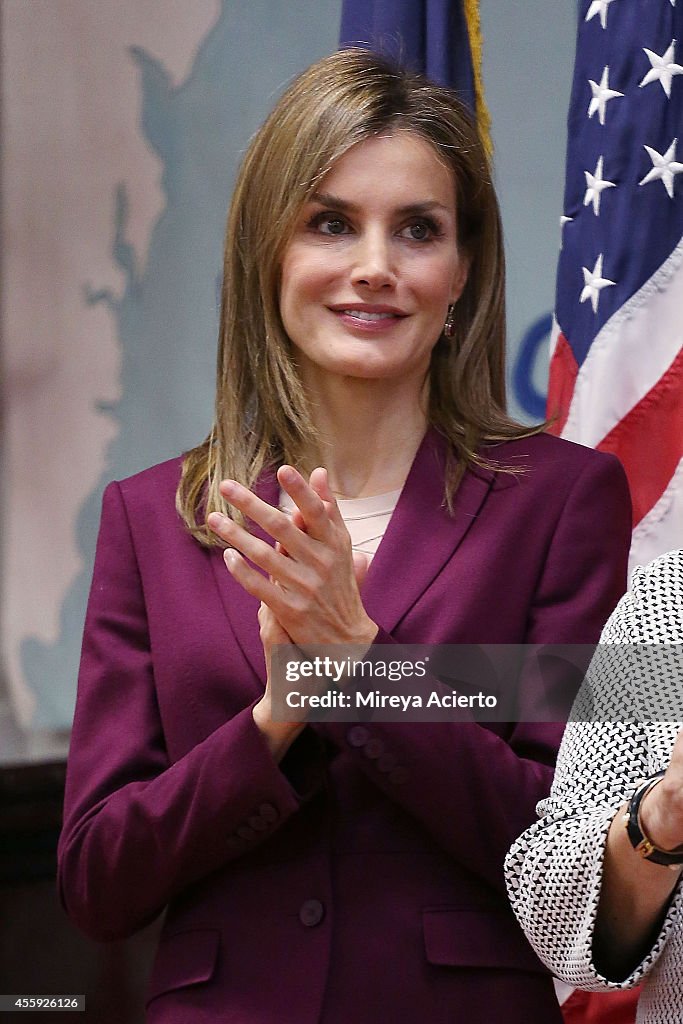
(254, 582)
(311, 506)
(280, 567)
(320, 483)
(271, 631)
(285, 607)
(276, 523)
(298, 519)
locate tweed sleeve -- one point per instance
(554, 870)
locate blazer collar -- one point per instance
(421, 537)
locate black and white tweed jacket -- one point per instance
(554, 869)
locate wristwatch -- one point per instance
(638, 837)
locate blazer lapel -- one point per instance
(420, 539)
(422, 535)
(240, 607)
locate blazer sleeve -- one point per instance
(476, 786)
(554, 870)
(138, 829)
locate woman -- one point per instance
(330, 873)
(600, 901)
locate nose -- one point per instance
(373, 265)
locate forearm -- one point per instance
(125, 853)
(634, 898)
(558, 871)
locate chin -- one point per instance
(368, 370)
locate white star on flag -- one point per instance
(599, 7)
(664, 166)
(596, 185)
(602, 94)
(594, 282)
(663, 68)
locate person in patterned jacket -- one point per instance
(596, 882)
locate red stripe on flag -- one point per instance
(563, 372)
(601, 1007)
(649, 440)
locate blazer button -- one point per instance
(311, 913)
(358, 736)
(373, 749)
(268, 812)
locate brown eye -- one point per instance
(329, 224)
(333, 226)
(419, 231)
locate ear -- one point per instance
(460, 278)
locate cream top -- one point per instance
(366, 518)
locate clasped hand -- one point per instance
(312, 575)
(309, 581)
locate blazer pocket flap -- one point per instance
(477, 938)
(184, 958)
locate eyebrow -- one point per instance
(345, 205)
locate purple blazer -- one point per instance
(361, 880)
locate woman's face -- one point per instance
(373, 263)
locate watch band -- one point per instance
(638, 837)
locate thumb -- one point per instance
(320, 483)
(361, 564)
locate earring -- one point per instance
(449, 326)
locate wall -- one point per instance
(122, 127)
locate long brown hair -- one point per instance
(262, 415)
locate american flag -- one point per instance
(616, 377)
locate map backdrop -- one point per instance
(122, 128)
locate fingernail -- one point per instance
(231, 558)
(287, 475)
(214, 520)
